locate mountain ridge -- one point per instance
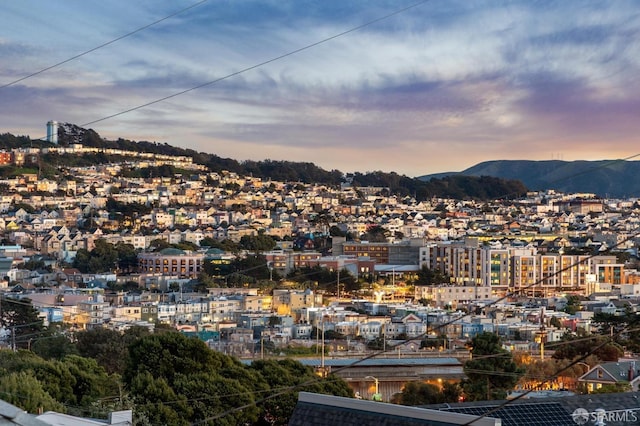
(605, 178)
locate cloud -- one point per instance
(443, 85)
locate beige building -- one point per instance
(171, 261)
(287, 301)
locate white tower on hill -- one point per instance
(52, 132)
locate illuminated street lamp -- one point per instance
(376, 396)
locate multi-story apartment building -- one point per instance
(286, 260)
(171, 261)
(519, 270)
(452, 296)
(406, 252)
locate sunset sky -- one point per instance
(440, 86)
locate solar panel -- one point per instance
(536, 414)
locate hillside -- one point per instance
(461, 187)
(606, 178)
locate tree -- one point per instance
(34, 264)
(428, 276)
(158, 244)
(253, 266)
(127, 257)
(257, 243)
(335, 231)
(491, 372)
(278, 375)
(57, 346)
(103, 258)
(74, 381)
(375, 234)
(210, 242)
(21, 319)
(572, 347)
(418, 393)
(172, 367)
(573, 304)
(431, 343)
(24, 390)
(91, 381)
(555, 322)
(106, 346)
(376, 344)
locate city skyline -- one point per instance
(438, 87)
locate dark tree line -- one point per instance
(455, 186)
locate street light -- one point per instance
(376, 396)
(270, 266)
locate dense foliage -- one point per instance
(427, 276)
(220, 390)
(106, 257)
(456, 186)
(419, 393)
(571, 347)
(21, 320)
(73, 384)
(165, 377)
(491, 372)
(319, 278)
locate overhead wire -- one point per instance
(297, 51)
(550, 377)
(440, 326)
(263, 63)
(86, 52)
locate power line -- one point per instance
(440, 326)
(102, 45)
(261, 64)
(555, 374)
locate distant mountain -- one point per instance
(606, 178)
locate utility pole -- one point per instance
(322, 349)
(338, 283)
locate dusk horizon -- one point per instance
(415, 88)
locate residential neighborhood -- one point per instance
(408, 280)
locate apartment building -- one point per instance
(171, 261)
(522, 270)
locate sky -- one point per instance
(413, 87)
